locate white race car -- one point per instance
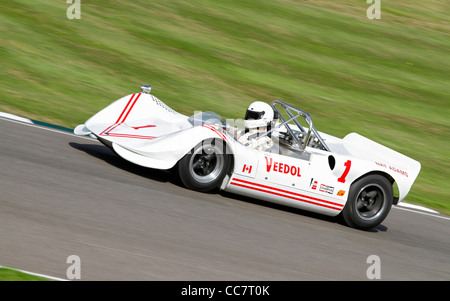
(300, 167)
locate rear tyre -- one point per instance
(204, 168)
(369, 201)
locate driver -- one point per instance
(258, 120)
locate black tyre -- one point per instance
(369, 201)
(204, 168)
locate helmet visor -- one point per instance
(254, 115)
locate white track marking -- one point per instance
(412, 206)
(15, 117)
(422, 212)
(43, 127)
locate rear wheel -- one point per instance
(205, 167)
(369, 202)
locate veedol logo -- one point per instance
(274, 166)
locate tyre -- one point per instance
(369, 201)
(204, 168)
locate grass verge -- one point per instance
(7, 274)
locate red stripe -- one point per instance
(135, 100)
(129, 136)
(126, 111)
(144, 126)
(287, 192)
(110, 128)
(123, 112)
(217, 132)
(286, 196)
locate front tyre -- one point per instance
(369, 202)
(204, 168)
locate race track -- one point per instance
(63, 195)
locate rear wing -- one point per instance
(402, 168)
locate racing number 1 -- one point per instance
(347, 165)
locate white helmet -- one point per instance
(259, 114)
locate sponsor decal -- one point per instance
(402, 172)
(395, 169)
(274, 166)
(326, 188)
(313, 184)
(341, 193)
(381, 164)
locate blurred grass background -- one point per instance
(386, 79)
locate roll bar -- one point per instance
(294, 114)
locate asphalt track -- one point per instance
(63, 195)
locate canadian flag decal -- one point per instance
(247, 168)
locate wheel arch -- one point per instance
(190, 180)
(387, 176)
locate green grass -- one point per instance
(7, 274)
(386, 79)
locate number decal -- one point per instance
(347, 165)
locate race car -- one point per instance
(274, 154)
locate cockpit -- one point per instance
(292, 129)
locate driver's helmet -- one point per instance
(259, 114)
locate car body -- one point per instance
(306, 169)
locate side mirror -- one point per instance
(146, 89)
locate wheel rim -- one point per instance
(370, 201)
(206, 163)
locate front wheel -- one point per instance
(204, 168)
(369, 202)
